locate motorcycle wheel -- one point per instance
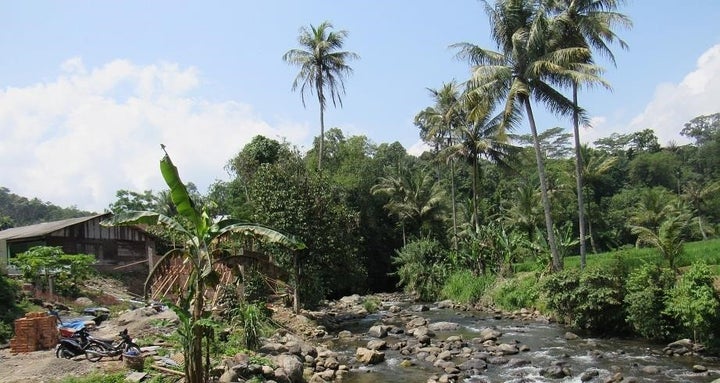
(64, 353)
(94, 352)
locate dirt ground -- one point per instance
(44, 367)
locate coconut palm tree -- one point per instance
(595, 164)
(414, 197)
(323, 68)
(437, 124)
(586, 24)
(697, 196)
(527, 67)
(481, 135)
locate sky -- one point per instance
(90, 89)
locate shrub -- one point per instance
(647, 290)
(9, 310)
(371, 304)
(592, 299)
(517, 293)
(421, 268)
(694, 302)
(465, 287)
(254, 324)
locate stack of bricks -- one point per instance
(36, 331)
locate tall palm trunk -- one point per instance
(578, 178)
(557, 262)
(322, 129)
(474, 193)
(452, 192)
(454, 208)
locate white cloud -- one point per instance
(78, 139)
(674, 104)
(418, 148)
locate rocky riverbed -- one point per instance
(442, 342)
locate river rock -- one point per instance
(571, 336)
(698, 368)
(419, 308)
(291, 365)
(489, 334)
(273, 348)
(345, 334)
(443, 326)
(367, 356)
(83, 302)
(517, 362)
(507, 349)
(416, 322)
(446, 304)
(555, 372)
(395, 309)
(589, 375)
(651, 370)
(377, 344)
(378, 331)
(324, 376)
(473, 365)
(351, 300)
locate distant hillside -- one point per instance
(19, 211)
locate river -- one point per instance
(636, 360)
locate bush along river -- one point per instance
(409, 342)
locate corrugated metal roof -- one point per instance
(43, 228)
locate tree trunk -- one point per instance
(194, 362)
(700, 227)
(474, 194)
(296, 288)
(322, 137)
(557, 262)
(578, 179)
(452, 196)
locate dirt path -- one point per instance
(44, 367)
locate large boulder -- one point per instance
(367, 356)
(292, 366)
(443, 326)
(378, 331)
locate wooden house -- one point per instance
(113, 247)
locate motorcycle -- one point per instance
(97, 348)
(73, 345)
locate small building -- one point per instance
(112, 247)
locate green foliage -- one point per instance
(591, 299)
(667, 236)
(371, 304)
(695, 303)
(465, 287)
(647, 290)
(517, 293)
(254, 324)
(68, 271)
(9, 310)
(97, 377)
(421, 268)
(289, 197)
(203, 238)
(18, 211)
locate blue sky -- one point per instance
(89, 89)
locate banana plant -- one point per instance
(200, 247)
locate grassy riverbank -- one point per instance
(701, 251)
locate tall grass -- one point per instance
(464, 287)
